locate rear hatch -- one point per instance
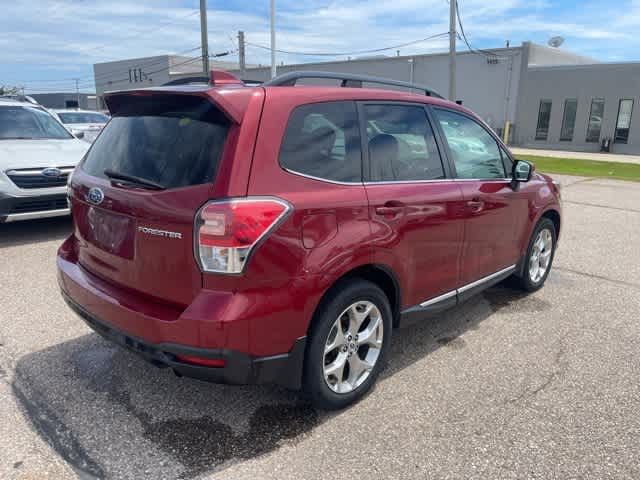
(136, 193)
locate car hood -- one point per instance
(41, 153)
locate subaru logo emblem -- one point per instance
(95, 196)
(52, 172)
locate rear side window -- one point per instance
(402, 146)
(322, 140)
(173, 140)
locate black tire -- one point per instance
(524, 279)
(341, 297)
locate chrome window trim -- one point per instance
(335, 182)
(391, 182)
(468, 286)
(439, 180)
(482, 179)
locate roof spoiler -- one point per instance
(216, 78)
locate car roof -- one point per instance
(74, 110)
(11, 102)
(300, 94)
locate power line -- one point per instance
(341, 54)
(90, 78)
(484, 53)
(134, 35)
(145, 31)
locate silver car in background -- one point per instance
(87, 122)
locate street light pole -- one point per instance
(273, 38)
(204, 37)
(452, 50)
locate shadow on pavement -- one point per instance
(110, 414)
(34, 231)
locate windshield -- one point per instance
(29, 123)
(82, 117)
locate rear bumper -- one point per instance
(162, 342)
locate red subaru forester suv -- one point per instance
(278, 233)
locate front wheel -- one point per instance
(539, 256)
(348, 344)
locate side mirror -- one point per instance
(79, 135)
(522, 171)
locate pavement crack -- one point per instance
(557, 370)
(578, 182)
(597, 277)
(587, 204)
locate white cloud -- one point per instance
(46, 39)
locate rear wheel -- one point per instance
(539, 256)
(348, 344)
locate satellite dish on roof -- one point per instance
(555, 42)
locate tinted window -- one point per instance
(169, 140)
(82, 117)
(544, 116)
(28, 123)
(323, 140)
(568, 119)
(475, 152)
(623, 124)
(595, 120)
(401, 144)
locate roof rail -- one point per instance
(347, 80)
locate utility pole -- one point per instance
(77, 92)
(204, 37)
(273, 38)
(241, 54)
(452, 50)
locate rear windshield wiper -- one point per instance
(133, 180)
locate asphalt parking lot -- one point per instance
(505, 386)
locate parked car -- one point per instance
(87, 122)
(36, 156)
(266, 234)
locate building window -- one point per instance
(595, 120)
(544, 115)
(624, 121)
(568, 119)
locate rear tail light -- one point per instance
(227, 231)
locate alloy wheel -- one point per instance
(540, 255)
(353, 347)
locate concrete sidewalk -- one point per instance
(602, 157)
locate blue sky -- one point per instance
(46, 44)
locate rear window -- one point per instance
(322, 140)
(82, 117)
(172, 140)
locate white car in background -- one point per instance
(88, 122)
(37, 155)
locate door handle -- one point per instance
(475, 205)
(389, 211)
